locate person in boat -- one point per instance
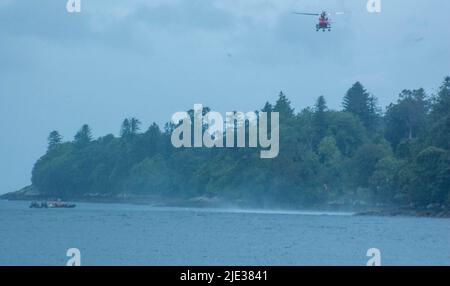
(34, 204)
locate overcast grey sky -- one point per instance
(149, 59)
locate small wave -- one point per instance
(287, 212)
(263, 211)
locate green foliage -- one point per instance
(283, 106)
(348, 131)
(324, 155)
(431, 176)
(384, 178)
(320, 119)
(328, 151)
(151, 176)
(406, 118)
(364, 162)
(130, 127)
(360, 103)
(84, 136)
(54, 140)
(440, 117)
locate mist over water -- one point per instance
(111, 234)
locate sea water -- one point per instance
(120, 234)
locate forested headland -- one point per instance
(361, 154)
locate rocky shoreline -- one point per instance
(435, 212)
(432, 211)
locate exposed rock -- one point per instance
(28, 192)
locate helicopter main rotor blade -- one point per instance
(307, 14)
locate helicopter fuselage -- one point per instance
(324, 24)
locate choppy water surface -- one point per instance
(110, 234)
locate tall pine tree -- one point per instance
(360, 103)
(54, 140)
(83, 136)
(283, 106)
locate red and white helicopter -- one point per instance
(324, 20)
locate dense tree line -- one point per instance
(400, 156)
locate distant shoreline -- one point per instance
(202, 202)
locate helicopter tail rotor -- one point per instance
(339, 13)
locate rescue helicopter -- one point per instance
(324, 20)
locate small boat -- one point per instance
(38, 205)
(51, 205)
